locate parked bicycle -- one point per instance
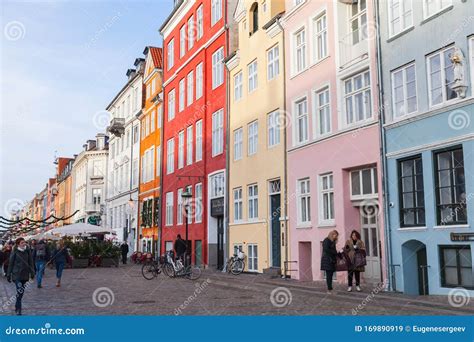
(176, 268)
(151, 269)
(236, 263)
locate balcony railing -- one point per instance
(117, 126)
(354, 45)
(93, 208)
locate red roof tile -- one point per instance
(157, 55)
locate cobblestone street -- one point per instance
(123, 291)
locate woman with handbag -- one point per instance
(328, 258)
(355, 250)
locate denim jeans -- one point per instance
(20, 290)
(40, 265)
(329, 275)
(59, 270)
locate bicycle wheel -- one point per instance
(193, 272)
(168, 270)
(237, 267)
(149, 271)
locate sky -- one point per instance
(61, 63)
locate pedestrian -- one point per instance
(41, 256)
(124, 248)
(354, 245)
(7, 252)
(60, 258)
(328, 258)
(20, 269)
(180, 247)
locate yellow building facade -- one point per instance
(257, 124)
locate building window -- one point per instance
(170, 54)
(169, 209)
(358, 21)
(216, 11)
(135, 173)
(273, 123)
(135, 134)
(253, 76)
(238, 86)
(253, 202)
(182, 41)
(198, 199)
(456, 266)
(364, 183)
(411, 192)
(238, 204)
(218, 68)
(357, 98)
(199, 81)
(171, 105)
(152, 122)
(182, 95)
(431, 7)
(400, 15)
(304, 201)
(96, 196)
(170, 156)
(238, 143)
(189, 145)
(273, 62)
(323, 112)
(190, 95)
(451, 199)
(404, 91)
(199, 140)
(301, 130)
(199, 22)
(181, 150)
(217, 185)
(158, 161)
(252, 138)
(179, 207)
(327, 199)
(254, 18)
(217, 132)
(441, 77)
(159, 116)
(252, 258)
(299, 39)
(320, 43)
(191, 31)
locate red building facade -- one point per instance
(194, 131)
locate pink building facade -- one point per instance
(333, 141)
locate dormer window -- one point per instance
(254, 18)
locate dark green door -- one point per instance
(276, 230)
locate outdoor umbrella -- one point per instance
(80, 229)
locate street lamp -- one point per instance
(186, 195)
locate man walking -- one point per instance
(180, 247)
(40, 257)
(124, 249)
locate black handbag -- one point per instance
(360, 259)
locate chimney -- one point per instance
(84, 147)
(100, 138)
(91, 144)
(131, 73)
(140, 64)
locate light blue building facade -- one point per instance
(426, 59)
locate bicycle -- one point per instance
(236, 264)
(151, 270)
(176, 269)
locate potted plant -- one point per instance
(110, 254)
(81, 253)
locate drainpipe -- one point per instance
(387, 229)
(227, 141)
(162, 136)
(285, 156)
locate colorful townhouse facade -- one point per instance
(194, 134)
(64, 184)
(257, 163)
(89, 181)
(151, 117)
(124, 157)
(427, 54)
(333, 140)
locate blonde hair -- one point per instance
(333, 233)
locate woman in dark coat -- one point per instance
(60, 257)
(354, 245)
(328, 259)
(20, 269)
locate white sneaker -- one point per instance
(358, 288)
(349, 289)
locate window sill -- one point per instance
(331, 224)
(401, 33)
(453, 226)
(437, 14)
(411, 229)
(304, 226)
(319, 61)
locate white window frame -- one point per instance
(273, 129)
(152, 122)
(158, 161)
(170, 54)
(301, 118)
(218, 132)
(182, 95)
(198, 199)
(403, 14)
(199, 22)
(252, 138)
(238, 86)
(170, 156)
(181, 149)
(361, 18)
(299, 50)
(179, 207)
(218, 68)
(216, 11)
(238, 143)
(439, 5)
(169, 208)
(191, 32)
(189, 145)
(273, 62)
(324, 197)
(304, 202)
(252, 257)
(182, 41)
(403, 71)
(366, 92)
(190, 88)
(199, 140)
(252, 76)
(199, 81)
(442, 72)
(373, 184)
(171, 105)
(320, 37)
(320, 110)
(238, 204)
(252, 195)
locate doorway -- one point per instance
(275, 209)
(415, 268)
(422, 263)
(305, 268)
(370, 237)
(220, 242)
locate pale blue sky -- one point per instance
(61, 63)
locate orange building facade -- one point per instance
(149, 195)
(64, 184)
